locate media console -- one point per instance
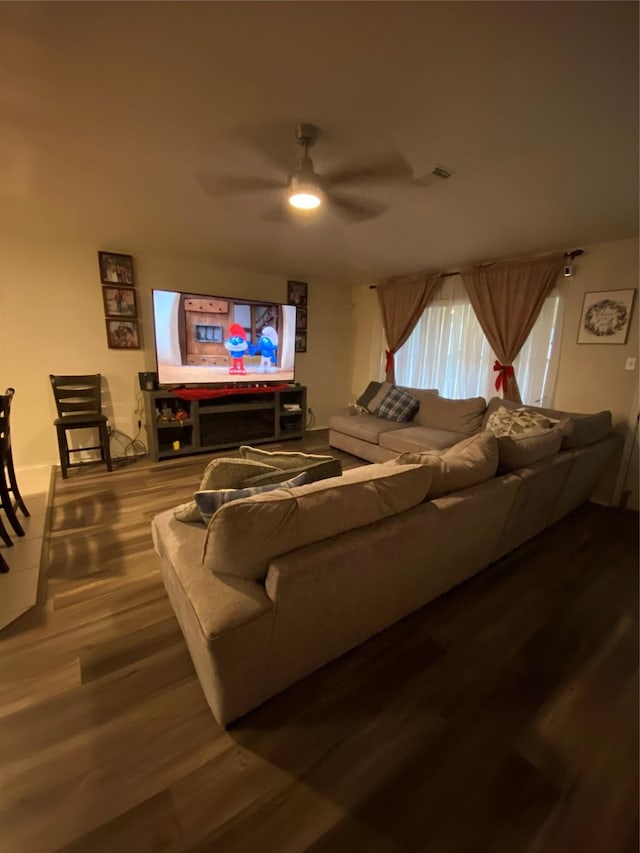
(180, 427)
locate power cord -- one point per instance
(311, 419)
(130, 448)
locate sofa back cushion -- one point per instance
(454, 415)
(523, 450)
(578, 429)
(244, 536)
(471, 461)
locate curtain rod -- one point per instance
(574, 253)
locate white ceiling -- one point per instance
(109, 109)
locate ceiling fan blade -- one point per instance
(355, 210)
(273, 140)
(221, 185)
(388, 167)
(280, 213)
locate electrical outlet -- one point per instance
(630, 364)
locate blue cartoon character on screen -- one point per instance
(268, 348)
(237, 345)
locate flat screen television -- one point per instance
(222, 340)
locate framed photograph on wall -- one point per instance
(123, 334)
(301, 319)
(119, 302)
(297, 293)
(301, 341)
(116, 269)
(605, 316)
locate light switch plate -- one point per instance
(630, 364)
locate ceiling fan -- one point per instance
(304, 190)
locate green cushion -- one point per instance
(283, 460)
(222, 473)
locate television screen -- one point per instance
(221, 340)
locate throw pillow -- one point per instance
(230, 473)
(369, 393)
(398, 406)
(222, 473)
(517, 421)
(379, 396)
(209, 502)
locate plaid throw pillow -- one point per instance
(210, 501)
(398, 406)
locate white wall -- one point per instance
(590, 377)
(52, 321)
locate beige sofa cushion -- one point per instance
(463, 416)
(419, 439)
(466, 464)
(244, 536)
(366, 427)
(523, 450)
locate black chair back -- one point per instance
(10, 497)
(77, 396)
(5, 422)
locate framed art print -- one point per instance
(605, 316)
(301, 319)
(301, 341)
(297, 293)
(123, 334)
(119, 302)
(116, 269)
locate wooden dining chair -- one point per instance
(10, 497)
(79, 405)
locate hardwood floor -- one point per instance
(502, 717)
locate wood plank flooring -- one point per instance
(502, 717)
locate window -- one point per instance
(448, 350)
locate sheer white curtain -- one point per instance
(447, 350)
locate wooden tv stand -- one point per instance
(243, 416)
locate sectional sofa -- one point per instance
(280, 583)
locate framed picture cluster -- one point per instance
(297, 294)
(120, 301)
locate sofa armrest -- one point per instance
(217, 604)
(227, 622)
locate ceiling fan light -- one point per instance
(304, 193)
(304, 200)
